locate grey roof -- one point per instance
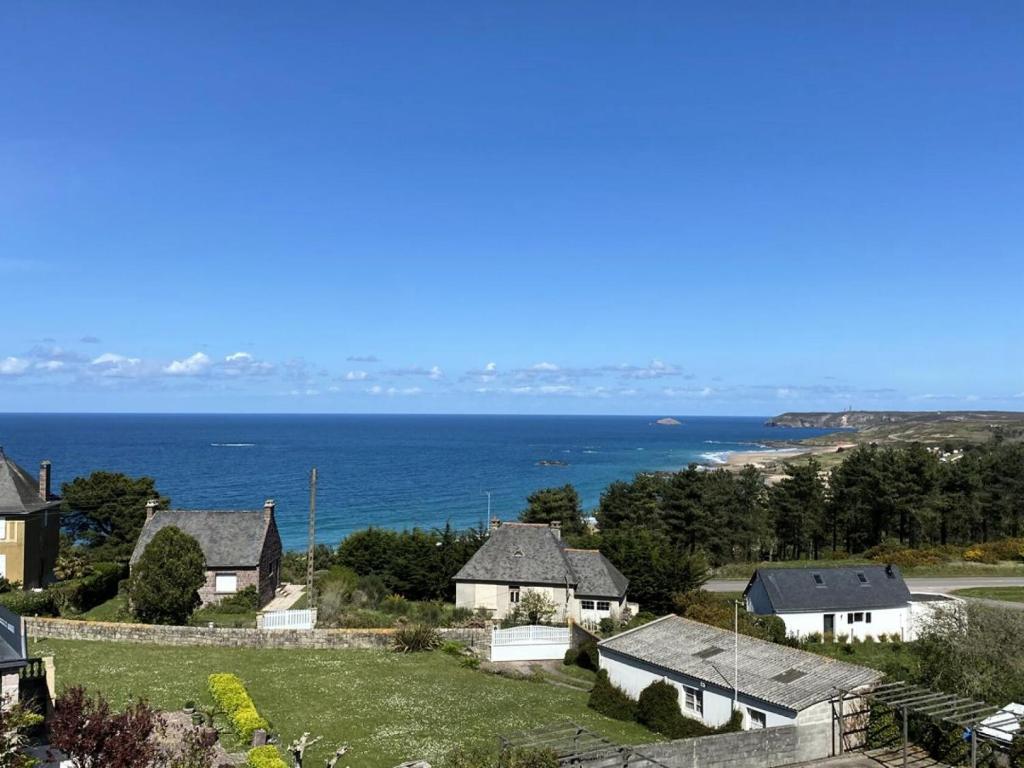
(12, 640)
(527, 553)
(19, 491)
(841, 589)
(770, 672)
(230, 538)
(595, 575)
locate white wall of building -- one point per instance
(496, 598)
(883, 621)
(633, 676)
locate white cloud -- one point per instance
(435, 373)
(238, 357)
(357, 376)
(13, 366)
(50, 365)
(190, 366)
(544, 367)
(113, 364)
(490, 367)
(376, 389)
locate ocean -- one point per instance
(384, 470)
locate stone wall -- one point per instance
(66, 629)
(578, 635)
(766, 748)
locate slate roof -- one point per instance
(841, 589)
(526, 553)
(19, 491)
(229, 538)
(773, 673)
(12, 640)
(596, 576)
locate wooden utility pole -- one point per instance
(312, 538)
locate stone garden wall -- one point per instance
(67, 629)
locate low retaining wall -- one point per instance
(579, 635)
(67, 629)
(765, 748)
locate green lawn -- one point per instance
(389, 707)
(1010, 594)
(115, 609)
(895, 659)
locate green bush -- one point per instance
(587, 656)
(611, 700)
(76, 596)
(30, 603)
(411, 638)
(230, 694)
(395, 604)
(166, 578)
(658, 709)
(571, 656)
(265, 757)
(244, 600)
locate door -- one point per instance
(830, 623)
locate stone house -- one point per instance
(29, 525)
(525, 557)
(242, 548)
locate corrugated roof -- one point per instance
(229, 538)
(595, 575)
(19, 491)
(848, 588)
(774, 673)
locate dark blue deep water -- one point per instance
(393, 471)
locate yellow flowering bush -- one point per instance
(230, 694)
(265, 757)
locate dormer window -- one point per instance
(862, 578)
(818, 580)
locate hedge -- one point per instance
(265, 757)
(30, 603)
(610, 700)
(85, 593)
(229, 692)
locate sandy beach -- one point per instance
(771, 460)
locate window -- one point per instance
(867, 617)
(858, 617)
(758, 719)
(604, 605)
(226, 583)
(513, 594)
(694, 699)
(818, 580)
(3, 528)
(587, 605)
(862, 578)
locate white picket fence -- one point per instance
(531, 643)
(301, 619)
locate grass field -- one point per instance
(1010, 594)
(116, 609)
(895, 659)
(389, 707)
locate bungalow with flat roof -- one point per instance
(242, 548)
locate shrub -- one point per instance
(813, 637)
(265, 757)
(526, 757)
(452, 647)
(607, 626)
(243, 601)
(658, 709)
(905, 557)
(470, 662)
(412, 638)
(570, 657)
(611, 700)
(587, 656)
(395, 604)
(30, 603)
(230, 694)
(166, 579)
(81, 594)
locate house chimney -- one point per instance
(151, 507)
(44, 481)
(495, 523)
(268, 510)
(556, 528)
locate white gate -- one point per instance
(532, 643)
(301, 619)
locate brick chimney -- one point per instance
(268, 510)
(44, 481)
(556, 528)
(495, 523)
(151, 506)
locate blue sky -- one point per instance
(530, 207)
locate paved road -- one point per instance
(944, 584)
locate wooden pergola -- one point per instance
(960, 711)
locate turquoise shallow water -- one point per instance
(393, 471)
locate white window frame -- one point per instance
(694, 699)
(586, 605)
(758, 719)
(604, 605)
(514, 593)
(216, 583)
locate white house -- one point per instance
(856, 601)
(772, 684)
(523, 557)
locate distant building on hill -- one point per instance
(855, 601)
(29, 525)
(242, 548)
(522, 557)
